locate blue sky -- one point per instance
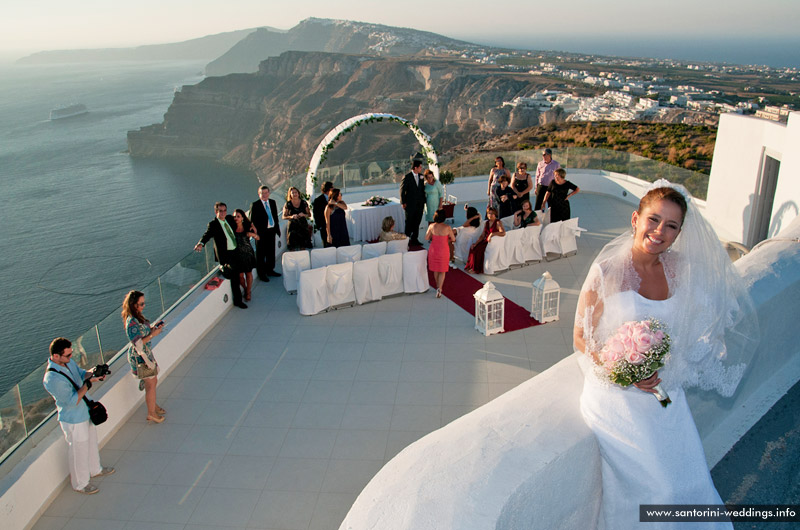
(33, 25)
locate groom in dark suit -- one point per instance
(264, 216)
(412, 197)
(222, 230)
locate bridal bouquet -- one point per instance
(634, 352)
(376, 200)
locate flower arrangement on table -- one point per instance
(635, 352)
(377, 200)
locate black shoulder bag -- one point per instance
(97, 412)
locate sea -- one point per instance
(84, 222)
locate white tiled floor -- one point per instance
(278, 421)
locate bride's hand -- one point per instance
(646, 385)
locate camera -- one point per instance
(101, 370)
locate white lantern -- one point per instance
(489, 310)
(545, 300)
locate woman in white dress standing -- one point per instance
(672, 268)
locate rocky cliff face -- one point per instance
(325, 35)
(271, 121)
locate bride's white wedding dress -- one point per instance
(651, 454)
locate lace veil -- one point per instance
(715, 328)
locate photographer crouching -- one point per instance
(61, 380)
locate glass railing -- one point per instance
(27, 405)
(352, 176)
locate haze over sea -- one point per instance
(81, 216)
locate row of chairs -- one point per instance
(293, 263)
(361, 281)
(521, 246)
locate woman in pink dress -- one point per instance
(493, 227)
(440, 234)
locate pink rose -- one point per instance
(634, 357)
(614, 351)
(658, 335)
(643, 340)
(627, 343)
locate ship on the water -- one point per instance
(68, 112)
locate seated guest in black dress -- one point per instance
(244, 254)
(526, 216)
(298, 233)
(558, 193)
(473, 217)
(504, 198)
(335, 220)
(319, 212)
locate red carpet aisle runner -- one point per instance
(460, 286)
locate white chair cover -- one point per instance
(316, 239)
(494, 260)
(373, 250)
(465, 237)
(551, 241)
(544, 218)
(515, 251)
(569, 232)
(397, 245)
(415, 272)
(349, 253)
(508, 222)
(312, 291)
(390, 272)
(293, 263)
(366, 281)
(531, 246)
(339, 278)
(322, 257)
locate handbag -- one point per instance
(143, 371)
(97, 412)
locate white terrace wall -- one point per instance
(742, 142)
(527, 460)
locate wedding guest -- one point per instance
(434, 195)
(264, 216)
(83, 456)
(493, 227)
(504, 198)
(441, 235)
(245, 256)
(473, 217)
(526, 216)
(220, 229)
(522, 184)
(319, 212)
(557, 196)
(495, 173)
(338, 236)
(298, 232)
(387, 230)
(545, 173)
(412, 198)
(140, 356)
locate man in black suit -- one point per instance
(264, 216)
(412, 197)
(222, 230)
(319, 212)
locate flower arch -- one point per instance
(348, 125)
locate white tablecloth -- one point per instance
(364, 222)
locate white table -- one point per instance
(364, 222)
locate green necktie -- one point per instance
(229, 234)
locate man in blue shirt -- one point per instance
(73, 415)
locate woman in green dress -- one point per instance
(434, 195)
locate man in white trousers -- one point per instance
(73, 415)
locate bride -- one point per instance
(670, 267)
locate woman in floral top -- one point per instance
(140, 356)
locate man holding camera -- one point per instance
(73, 414)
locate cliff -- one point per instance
(325, 35)
(271, 121)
